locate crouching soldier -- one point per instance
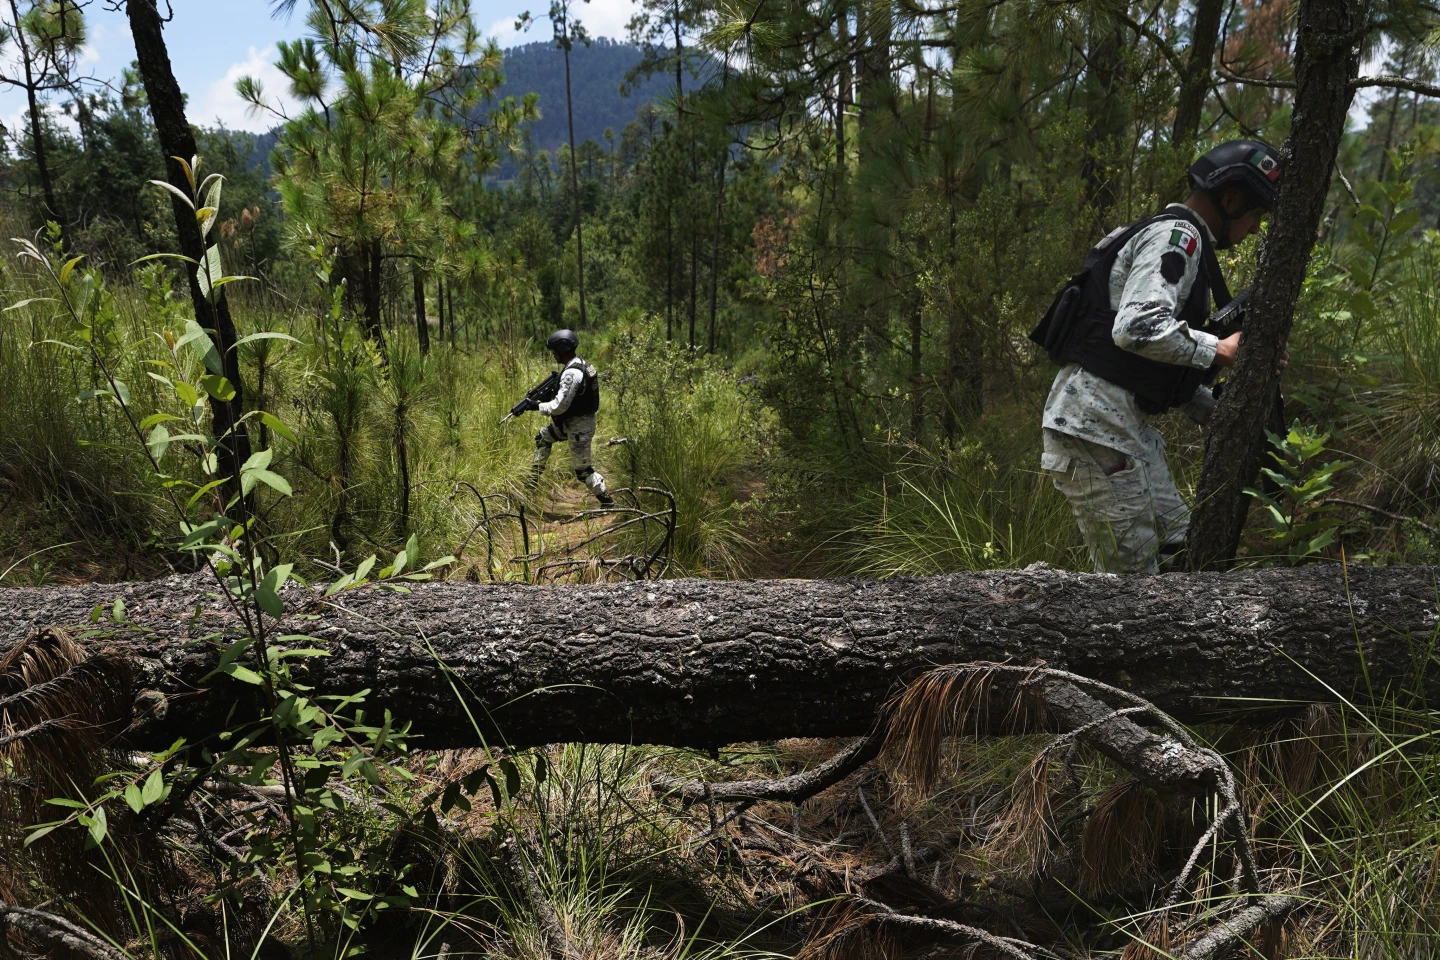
(572, 416)
(1129, 332)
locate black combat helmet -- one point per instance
(563, 340)
(1250, 164)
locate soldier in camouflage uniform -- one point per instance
(1140, 352)
(572, 414)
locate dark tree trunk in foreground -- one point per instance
(1195, 82)
(702, 663)
(1327, 56)
(167, 110)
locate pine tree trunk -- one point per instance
(1195, 82)
(844, 82)
(873, 74)
(1106, 112)
(1327, 56)
(703, 663)
(719, 220)
(422, 328)
(917, 409)
(669, 271)
(440, 307)
(575, 183)
(37, 134)
(167, 110)
(450, 311)
(374, 271)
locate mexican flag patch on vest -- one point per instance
(1183, 240)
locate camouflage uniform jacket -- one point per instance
(1151, 279)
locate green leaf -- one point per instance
(354, 894)
(154, 787)
(26, 303)
(265, 335)
(243, 674)
(209, 272)
(187, 394)
(69, 268)
(122, 392)
(512, 776)
(204, 346)
(66, 802)
(159, 441)
(267, 594)
(231, 654)
(278, 425)
(162, 256)
(218, 387)
(37, 834)
(258, 460)
(272, 480)
(133, 799)
(98, 826)
(176, 191)
(156, 418)
(1405, 221)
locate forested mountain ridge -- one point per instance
(598, 71)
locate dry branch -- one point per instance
(792, 789)
(703, 663)
(57, 933)
(1225, 938)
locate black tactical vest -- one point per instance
(1079, 326)
(587, 400)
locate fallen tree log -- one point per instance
(704, 663)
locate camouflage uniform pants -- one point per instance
(1130, 514)
(579, 432)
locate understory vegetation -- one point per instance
(805, 273)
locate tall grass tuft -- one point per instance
(690, 425)
(961, 508)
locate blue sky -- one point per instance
(214, 42)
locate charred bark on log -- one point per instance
(704, 663)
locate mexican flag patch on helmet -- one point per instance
(1183, 240)
(1266, 164)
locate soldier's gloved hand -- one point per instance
(531, 404)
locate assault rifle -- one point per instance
(1228, 320)
(542, 392)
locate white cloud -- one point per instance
(222, 105)
(90, 50)
(505, 34)
(601, 18)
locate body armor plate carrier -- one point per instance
(1079, 326)
(587, 400)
